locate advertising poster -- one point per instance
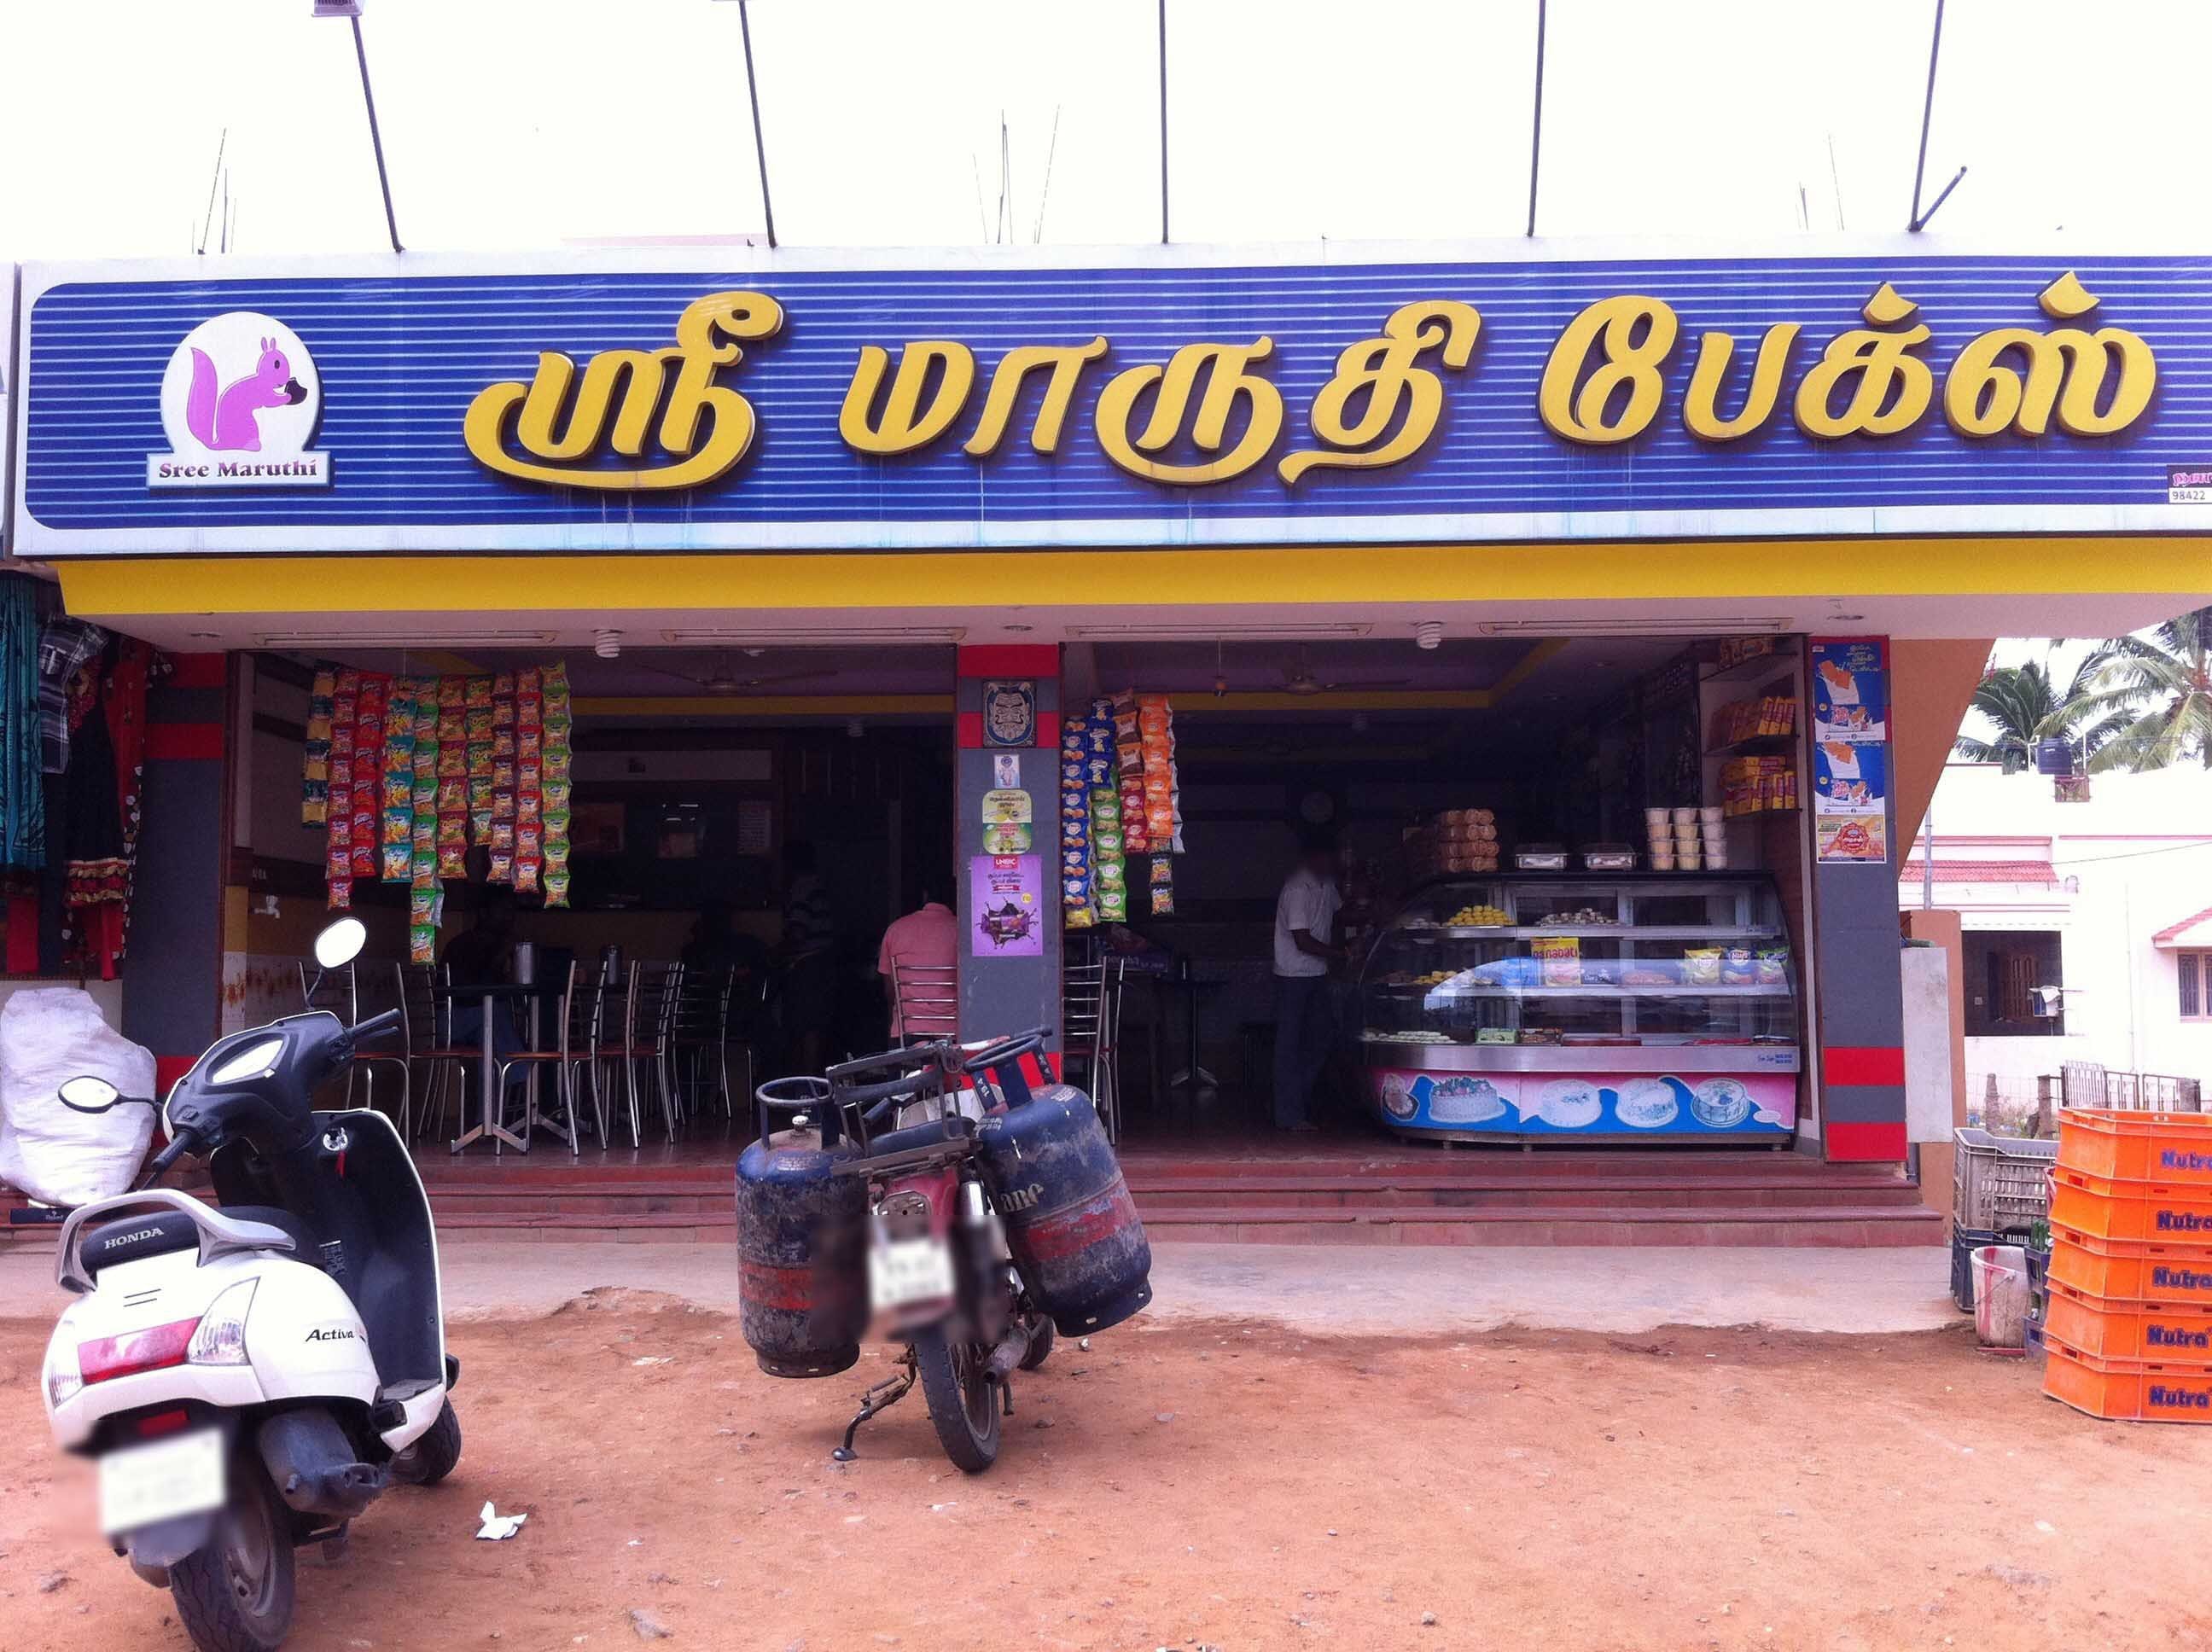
(1851, 751)
(1007, 895)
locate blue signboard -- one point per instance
(1157, 397)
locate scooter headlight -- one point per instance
(221, 1340)
(62, 1376)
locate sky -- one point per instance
(524, 124)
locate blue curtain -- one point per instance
(23, 795)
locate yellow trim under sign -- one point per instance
(908, 582)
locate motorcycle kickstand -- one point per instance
(871, 1406)
(338, 1545)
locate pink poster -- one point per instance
(1006, 906)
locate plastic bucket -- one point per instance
(2001, 1295)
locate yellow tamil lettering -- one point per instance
(2067, 368)
(1701, 414)
(1229, 380)
(1066, 363)
(706, 338)
(1891, 389)
(1385, 371)
(904, 425)
(1631, 361)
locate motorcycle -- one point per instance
(997, 1215)
(251, 1376)
(940, 1277)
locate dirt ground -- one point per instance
(1223, 1486)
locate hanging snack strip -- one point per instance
(338, 828)
(1162, 796)
(529, 780)
(1109, 815)
(371, 701)
(476, 726)
(1075, 826)
(502, 779)
(315, 768)
(554, 782)
(425, 896)
(1129, 772)
(395, 836)
(452, 769)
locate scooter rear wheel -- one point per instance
(235, 1593)
(433, 1456)
(963, 1401)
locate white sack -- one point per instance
(49, 1151)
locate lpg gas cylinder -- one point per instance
(1070, 1222)
(802, 1255)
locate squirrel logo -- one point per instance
(229, 429)
(230, 421)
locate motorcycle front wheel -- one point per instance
(234, 1595)
(963, 1401)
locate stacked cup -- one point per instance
(1689, 847)
(1661, 839)
(1712, 830)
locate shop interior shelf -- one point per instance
(1752, 669)
(1596, 931)
(1769, 742)
(1438, 992)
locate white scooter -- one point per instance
(251, 1378)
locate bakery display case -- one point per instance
(1595, 1007)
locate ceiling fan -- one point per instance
(1299, 679)
(725, 680)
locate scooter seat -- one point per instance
(133, 1238)
(157, 1233)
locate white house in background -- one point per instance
(2108, 900)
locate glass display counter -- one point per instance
(1601, 1007)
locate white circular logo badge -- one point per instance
(240, 401)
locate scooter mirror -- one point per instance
(341, 943)
(86, 1094)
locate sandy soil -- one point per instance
(1227, 1486)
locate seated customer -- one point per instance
(926, 939)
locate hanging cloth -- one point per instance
(22, 797)
(65, 645)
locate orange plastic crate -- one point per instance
(2109, 1209)
(2132, 1270)
(2127, 1390)
(2111, 1328)
(2168, 1147)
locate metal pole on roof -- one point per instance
(1928, 855)
(1537, 124)
(1927, 115)
(375, 136)
(1164, 122)
(753, 96)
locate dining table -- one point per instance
(492, 995)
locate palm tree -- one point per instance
(2024, 708)
(2154, 697)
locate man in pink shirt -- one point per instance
(926, 939)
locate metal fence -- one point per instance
(2084, 1084)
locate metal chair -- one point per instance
(400, 1055)
(700, 1039)
(929, 994)
(437, 1067)
(576, 1019)
(1090, 1023)
(642, 1047)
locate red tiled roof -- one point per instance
(1984, 872)
(2174, 933)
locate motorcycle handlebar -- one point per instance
(376, 1024)
(180, 1144)
(1007, 1049)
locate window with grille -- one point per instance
(2194, 970)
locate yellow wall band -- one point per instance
(1567, 570)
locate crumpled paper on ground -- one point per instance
(497, 1526)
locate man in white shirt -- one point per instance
(1305, 945)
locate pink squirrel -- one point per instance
(230, 422)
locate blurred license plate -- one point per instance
(909, 1271)
(141, 1484)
